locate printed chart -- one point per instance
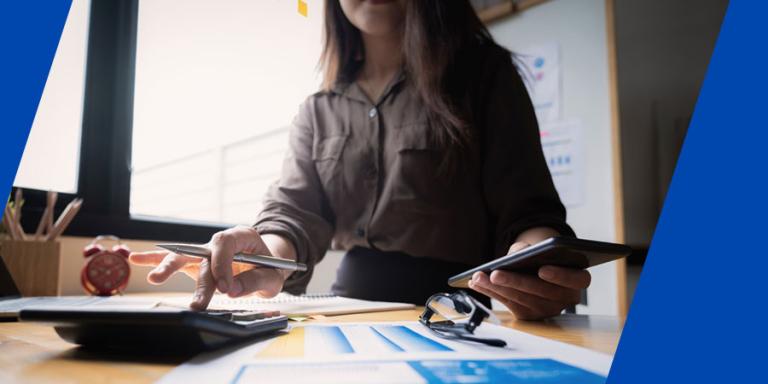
(350, 339)
(420, 371)
(394, 352)
(368, 339)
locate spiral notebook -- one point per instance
(292, 306)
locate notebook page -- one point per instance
(291, 305)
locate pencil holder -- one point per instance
(34, 265)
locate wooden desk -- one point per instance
(32, 353)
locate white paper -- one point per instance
(541, 72)
(13, 306)
(563, 147)
(356, 353)
(291, 305)
(373, 372)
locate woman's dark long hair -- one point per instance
(435, 34)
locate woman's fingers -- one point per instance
(540, 307)
(205, 287)
(535, 286)
(222, 249)
(148, 259)
(170, 264)
(521, 311)
(224, 245)
(266, 282)
(219, 270)
(165, 263)
(566, 277)
(518, 246)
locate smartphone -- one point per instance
(559, 251)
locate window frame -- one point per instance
(106, 140)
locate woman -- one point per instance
(420, 157)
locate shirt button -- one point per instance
(360, 232)
(372, 113)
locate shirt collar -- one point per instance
(353, 91)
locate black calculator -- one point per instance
(157, 329)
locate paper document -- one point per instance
(417, 371)
(291, 305)
(394, 352)
(11, 308)
(285, 303)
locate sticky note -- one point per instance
(303, 8)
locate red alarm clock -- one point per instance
(106, 271)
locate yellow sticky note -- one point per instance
(303, 8)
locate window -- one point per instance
(216, 85)
(51, 157)
(179, 118)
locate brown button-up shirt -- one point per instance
(364, 173)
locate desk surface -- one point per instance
(34, 353)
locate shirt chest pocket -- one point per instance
(420, 182)
(327, 154)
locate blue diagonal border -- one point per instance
(698, 312)
(29, 34)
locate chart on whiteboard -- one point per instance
(541, 74)
(564, 152)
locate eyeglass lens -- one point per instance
(448, 309)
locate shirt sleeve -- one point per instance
(516, 181)
(295, 207)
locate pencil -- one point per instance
(7, 222)
(18, 201)
(49, 221)
(41, 225)
(19, 229)
(64, 219)
(17, 204)
(47, 215)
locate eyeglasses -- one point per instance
(461, 314)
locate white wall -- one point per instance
(325, 273)
(580, 29)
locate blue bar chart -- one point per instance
(350, 339)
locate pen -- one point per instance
(205, 253)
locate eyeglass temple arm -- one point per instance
(477, 318)
(491, 342)
(427, 314)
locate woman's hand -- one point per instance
(533, 297)
(234, 279)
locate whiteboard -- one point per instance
(579, 29)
